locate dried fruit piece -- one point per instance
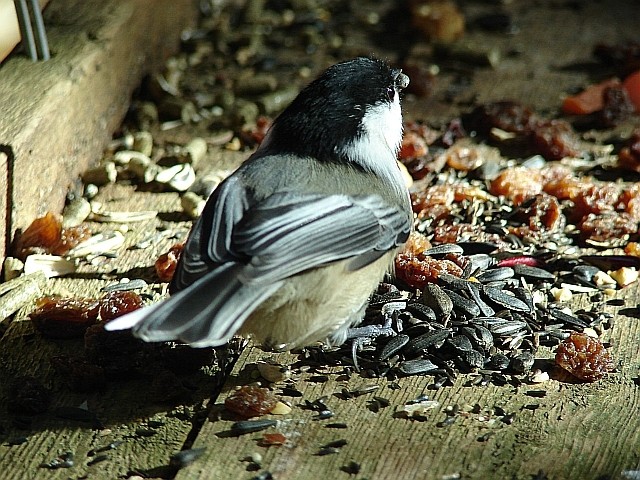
(606, 226)
(554, 139)
(584, 357)
(518, 184)
(433, 202)
(632, 85)
(416, 269)
(57, 317)
(272, 439)
(596, 199)
(560, 182)
(167, 262)
(541, 213)
(116, 304)
(413, 146)
(251, 401)
(589, 100)
(46, 235)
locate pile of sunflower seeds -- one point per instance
(491, 321)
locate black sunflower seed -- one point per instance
(460, 343)
(474, 292)
(417, 366)
(251, 426)
(495, 274)
(422, 311)
(443, 249)
(472, 358)
(468, 307)
(505, 300)
(426, 340)
(568, 319)
(498, 361)
(433, 296)
(393, 345)
(533, 273)
(522, 362)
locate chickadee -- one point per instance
(290, 247)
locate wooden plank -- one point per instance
(125, 404)
(573, 431)
(57, 116)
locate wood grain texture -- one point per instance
(57, 116)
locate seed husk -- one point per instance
(433, 296)
(504, 299)
(422, 311)
(251, 426)
(417, 366)
(468, 307)
(393, 346)
(426, 340)
(495, 274)
(534, 273)
(443, 249)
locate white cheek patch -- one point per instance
(381, 137)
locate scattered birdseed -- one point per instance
(186, 457)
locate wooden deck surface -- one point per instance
(561, 430)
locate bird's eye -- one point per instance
(391, 93)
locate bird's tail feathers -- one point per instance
(207, 313)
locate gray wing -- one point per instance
(289, 233)
(240, 252)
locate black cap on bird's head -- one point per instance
(330, 112)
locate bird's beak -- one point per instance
(401, 80)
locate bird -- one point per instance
(290, 247)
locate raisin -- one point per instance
(507, 115)
(560, 182)
(606, 226)
(434, 202)
(39, 237)
(416, 269)
(541, 213)
(413, 146)
(116, 304)
(596, 199)
(251, 401)
(584, 357)
(517, 184)
(167, 263)
(57, 317)
(463, 159)
(46, 235)
(617, 107)
(554, 139)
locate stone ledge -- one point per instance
(58, 116)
